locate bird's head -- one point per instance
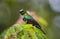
(22, 11)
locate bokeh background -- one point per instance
(9, 12)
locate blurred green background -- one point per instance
(9, 12)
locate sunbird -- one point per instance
(29, 19)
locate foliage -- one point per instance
(23, 31)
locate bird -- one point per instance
(29, 19)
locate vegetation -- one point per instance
(23, 31)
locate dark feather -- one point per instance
(34, 23)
